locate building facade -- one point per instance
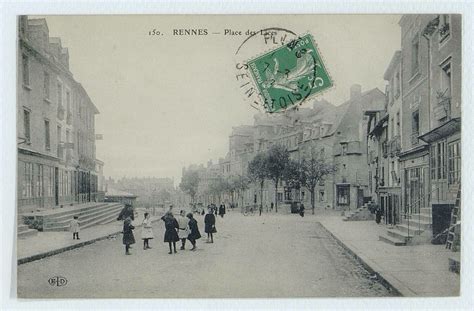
(55, 117)
(336, 133)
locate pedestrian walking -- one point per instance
(193, 229)
(222, 210)
(271, 207)
(171, 235)
(210, 226)
(182, 230)
(147, 231)
(128, 238)
(302, 210)
(75, 227)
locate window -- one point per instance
(47, 137)
(60, 94)
(344, 149)
(392, 127)
(438, 161)
(59, 137)
(26, 70)
(441, 160)
(68, 102)
(415, 50)
(382, 176)
(444, 27)
(27, 180)
(454, 163)
(39, 181)
(343, 193)
(397, 84)
(49, 181)
(26, 125)
(46, 85)
(398, 123)
(415, 127)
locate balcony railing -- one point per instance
(395, 146)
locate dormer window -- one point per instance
(444, 27)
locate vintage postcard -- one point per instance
(239, 156)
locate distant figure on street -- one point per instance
(260, 208)
(147, 231)
(210, 225)
(128, 238)
(194, 233)
(302, 210)
(171, 235)
(271, 207)
(127, 211)
(378, 214)
(222, 210)
(75, 228)
(182, 230)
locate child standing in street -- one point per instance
(193, 230)
(74, 227)
(147, 231)
(128, 238)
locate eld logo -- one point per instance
(57, 281)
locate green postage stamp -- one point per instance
(289, 74)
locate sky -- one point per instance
(167, 101)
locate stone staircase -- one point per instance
(358, 214)
(415, 230)
(89, 214)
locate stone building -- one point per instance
(384, 145)
(337, 133)
(55, 117)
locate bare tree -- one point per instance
(258, 172)
(241, 184)
(276, 161)
(312, 171)
(189, 183)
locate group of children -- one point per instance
(181, 229)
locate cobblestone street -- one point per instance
(252, 256)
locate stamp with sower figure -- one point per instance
(289, 74)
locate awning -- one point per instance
(445, 130)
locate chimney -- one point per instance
(356, 90)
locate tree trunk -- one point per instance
(276, 196)
(312, 199)
(261, 195)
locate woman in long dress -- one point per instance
(147, 231)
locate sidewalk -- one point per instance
(46, 244)
(420, 271)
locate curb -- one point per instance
(68, 248)
(63, 249)
(387, 281)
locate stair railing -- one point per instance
(418, 202)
